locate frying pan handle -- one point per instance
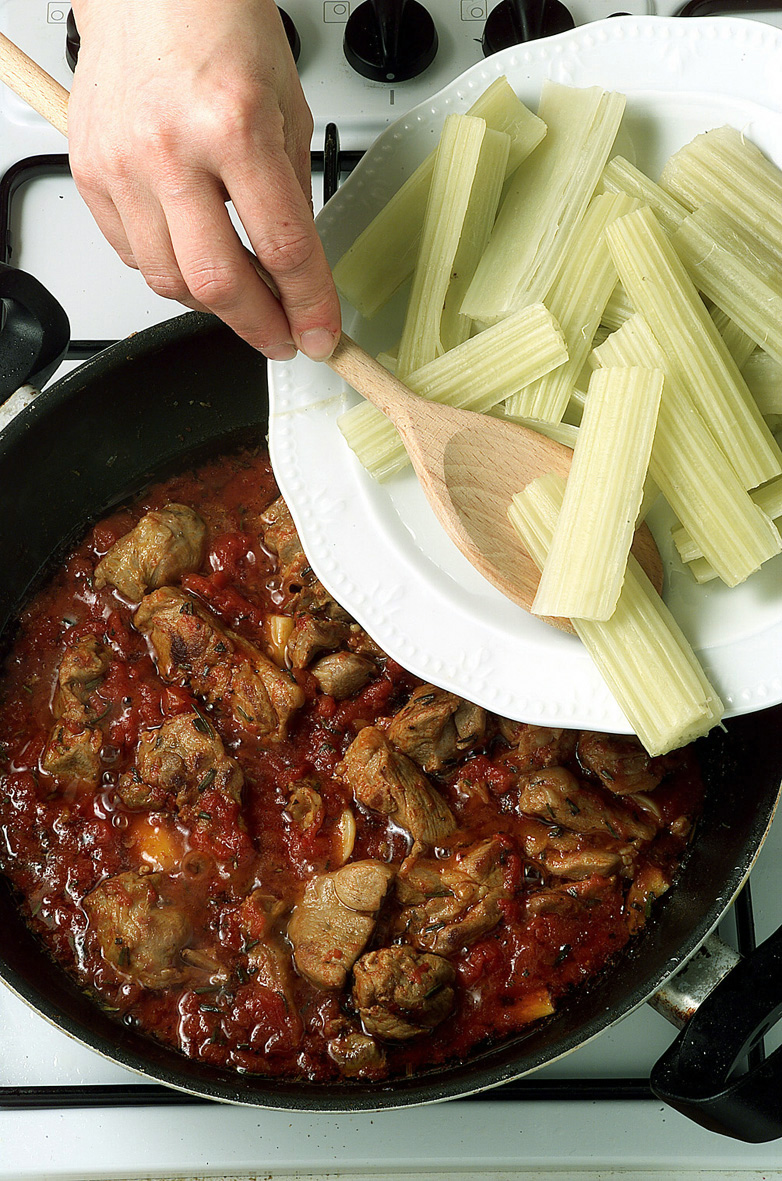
(695, 1074)
(34, 332)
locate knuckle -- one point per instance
(166, 284)
(213, 285)
(289, 252)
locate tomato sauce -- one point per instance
(59, 841)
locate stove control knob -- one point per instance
(291, 33)
(515, 21)
(390, 40)
(73, 41)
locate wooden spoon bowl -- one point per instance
(470, 466)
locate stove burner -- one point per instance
(514, 21)
(73, 40)
(390, 40)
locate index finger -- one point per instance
(282, 232)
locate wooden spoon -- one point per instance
(469, 465)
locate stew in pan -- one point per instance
(252, 835)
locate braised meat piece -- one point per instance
(557, 796)
(570, 901)
(536, 747)
(447, 905)
(621, 763)
(74, 754)
(311, 636)
(305, 804)
(139, 933)
(356, 1053)
(82, 668)
(332, 924)
(386, 781)
(178, 761)
(569, 855)
(401, 993)
(650, 882)
(301, 589)
(342, 674)
(164, 545)
(435, 727)
(219, 666)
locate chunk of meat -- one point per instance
(311, 636)
(435, 727)
(401, 993)
(649, 883)
(73, 755)
(570, 901)
(357, 1054)
(164, 545)
(221, 667)
(447, 905)
(335, 919)
(305, 804)
(387, 781)
(301, 589)
(342, 674)
(562, 854)
(178, 761)
(536, 747)
(621, 763)
(557, 796)
(139, 933)
(82, 668)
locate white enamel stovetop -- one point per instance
(496, 1138)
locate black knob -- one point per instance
(73, 41)
(514, 21)
(294, 40)
(390, 40)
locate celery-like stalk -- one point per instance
(577, 299)
(768, 499)
(384, 253)
(641, 652)
(476, 375)
(763, 376)
(585, 567)
(726, 268)
(722, 168)
(453, 179)
(661, 290)
(618, 309)
(620, 176)
(477, 226)
(691, 469)
(739, 345)
(545, 200)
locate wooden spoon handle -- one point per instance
(368, 377)
(27, 79)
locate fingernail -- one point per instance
(280, 352)
(318, 343)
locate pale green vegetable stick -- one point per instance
(585, 567)
(384, 253)
(659, 287)
(641, 652)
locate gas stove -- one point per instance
(65, 1113)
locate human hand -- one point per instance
(176, 107)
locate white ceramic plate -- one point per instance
(378, 548)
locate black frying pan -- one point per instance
(176, 392)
